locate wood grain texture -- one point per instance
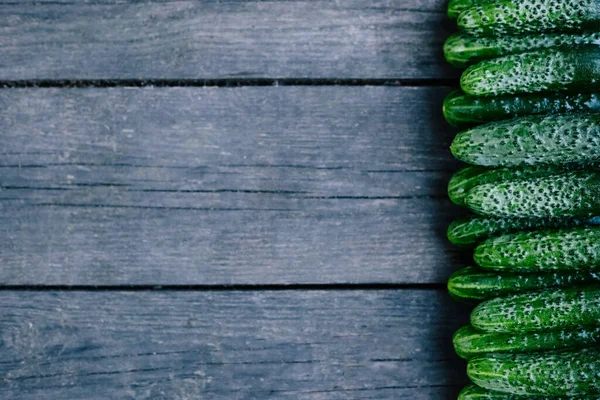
(212, 186)
(229, 345)
(166, 186)
(183, 40)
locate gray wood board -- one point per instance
(229, 345)
(183, 40)
(249, 185)
(206, 131)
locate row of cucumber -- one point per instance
(529, 110)
(535, 343)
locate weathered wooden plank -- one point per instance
(361, 131)
(245, 240)
(229, 345)
(224, 186)
(177, 40)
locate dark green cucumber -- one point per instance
(473, 392)
(570, 194)
(556, 69)
(469, 342)
(515, 17)
(463, 181)
(546, 139)
(563, 308)
(462, 50)
(462, 110)
(567, 373)
(473, 283)
(469, 231)
(546, 250)
(455, 7)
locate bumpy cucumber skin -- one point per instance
(554, 69)
(542, 70)
(462, 50)
(455, 7)
(473, 392)
(473, 283)
(539, 251)
(463, 181)
(570, 194)
(469, 231)
(466, 232)
(564, 308)
(515, 17)
(547, 139)
(569, 373)
(461, 110)
(469, 342)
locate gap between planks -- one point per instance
(226, 82)
(224, 288)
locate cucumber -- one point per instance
(455, 7)
(469, 231)
(564, 308)
(469, 342)
(472, 176)
(473, 392)
(464, 180)
(514, 17)
(554, 69)
(542, 251)
(567, 373)
(472, 283)
(570, 194)
(461, 110)
(546, 139)
(462, 50)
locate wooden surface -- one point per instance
(177, 179)
(229, 345)
(242, 39)
(254, 185)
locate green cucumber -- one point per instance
(461, 110)
(546, 250)
(469, 342)
(546, 139)
(570, 194)
(455, 7)
(463, 181)
(514, 17)
(472, 283)
(562, 308)
(469, 231)
(473, 392)
(462, 50)
(555, 69)
(567, 373)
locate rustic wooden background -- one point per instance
(225, 200)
